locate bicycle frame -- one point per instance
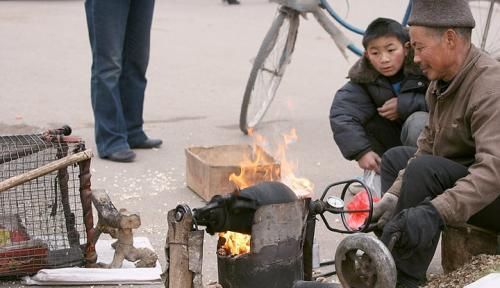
(354, 29)
(277, 47)
(302, 6)
(312, 6)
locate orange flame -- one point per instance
(256, 169)
(256, 166)
(250, 131)
(236, 243)
(301, 186)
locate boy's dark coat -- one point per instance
(357, 102)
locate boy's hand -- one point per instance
(370, 161)
(390, 109)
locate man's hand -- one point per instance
(384, 209)
(390, 109)
(419, 229)
(370, 161)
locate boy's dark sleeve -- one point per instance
(352, 107)
(412, 99)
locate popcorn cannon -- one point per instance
(282, 232)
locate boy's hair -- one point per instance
(385, 27)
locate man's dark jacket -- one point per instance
(357, 102)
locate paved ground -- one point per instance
(201, 57)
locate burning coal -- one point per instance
(233, 243)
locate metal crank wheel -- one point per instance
(363, 261)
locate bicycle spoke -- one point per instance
(269, 76)
(486, 34)
(275, 73)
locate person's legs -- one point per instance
(393, 161)
(412, 127)
(383, 134)
(428, 176)
(135, 62)
(107, 22)
(425, 177)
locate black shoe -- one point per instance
(126, 155)
(232, 2)
(147, 144)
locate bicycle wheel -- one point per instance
(268, 68)
(486, 34)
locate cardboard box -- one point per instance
(208, 168)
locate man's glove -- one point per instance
(418, 229)
(384, 209)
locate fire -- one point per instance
(301, 186)
(251, 169)
(236, 243)
(256, 167)
(254, 170)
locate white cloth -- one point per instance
(489, 281)
(128, 274)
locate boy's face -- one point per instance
(386, 54)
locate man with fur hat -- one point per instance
(453, 176)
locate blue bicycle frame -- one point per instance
(356, 30)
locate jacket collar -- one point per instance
(363, 72)
(469, 62)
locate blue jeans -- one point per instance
(119, 32)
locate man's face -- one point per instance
(431, 53)
(386, 54)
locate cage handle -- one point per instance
(45, 169)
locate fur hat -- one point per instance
(441, 13)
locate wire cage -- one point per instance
(45, 183)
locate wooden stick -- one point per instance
(88, 218)
(177, 239)
(45, 169)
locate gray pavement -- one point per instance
(200, 60)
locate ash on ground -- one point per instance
(478, 267)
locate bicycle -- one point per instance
(278, 46)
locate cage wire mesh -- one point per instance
(41, 221)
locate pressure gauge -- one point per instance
(335, 202)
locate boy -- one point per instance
(383, 104)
